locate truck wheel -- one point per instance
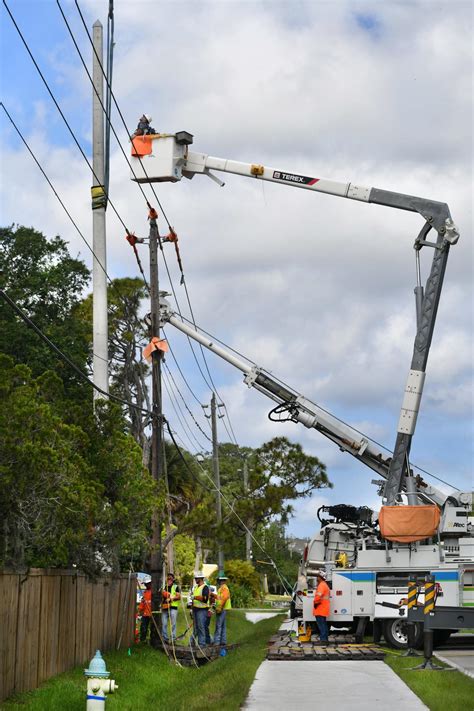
(396, 636)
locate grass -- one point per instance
(147, 680)
(438, 690)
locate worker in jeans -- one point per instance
(321, 605)
(170, 597)
(222, 605)
(200, 599)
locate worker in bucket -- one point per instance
(200, 601)
(144, 128)
(144, 609)
(222, 605)
(170, 597)
(321, 605)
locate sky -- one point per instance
(316, 289)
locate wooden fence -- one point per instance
(53, 620)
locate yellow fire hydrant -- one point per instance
(98, 683)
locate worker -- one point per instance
(222, 605)
(321, 605)
(211, 609)
(144, 609)
(200, 602)
(144, 128)
(170, 596)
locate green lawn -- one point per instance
(147, 680)
(437, 689)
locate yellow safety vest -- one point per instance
(175, 603)
(198, 591)
(220, 593)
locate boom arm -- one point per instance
(300, 409)
(167, 158)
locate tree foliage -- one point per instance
(47, 283)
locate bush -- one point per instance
(240, 596)
(241, 574)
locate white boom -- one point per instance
(308, 413)
(166, 157)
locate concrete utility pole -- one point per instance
(99, 201)
(156, 559)
(217, 481)
(248, 540)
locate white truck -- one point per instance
(368, 574)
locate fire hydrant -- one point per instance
(98, 683)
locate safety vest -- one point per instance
(321, 600)
(198, 591)
(166, 604)
(223, 598)
(144, 608)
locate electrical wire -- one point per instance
(61, 112)
(338, 419)
(67, 360)
(74, 223)
(212, 387)
(176, 406)
(226, 501)
(170, 374)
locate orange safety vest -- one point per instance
(223, 599)
(321, 600)
(144, 608)
(166, 597)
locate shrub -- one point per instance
(242, 574)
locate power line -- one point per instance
(61, 202)
(231, 508)
(185, 403)
(67, 360)
(176, 406)
(211, 387)
(60, 111)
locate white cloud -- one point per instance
(318, 290)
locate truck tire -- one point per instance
(395, 633)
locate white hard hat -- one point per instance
(199, 574)
(148, 117)
(146, 579)
(322, 574)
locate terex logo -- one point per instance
(293, 178)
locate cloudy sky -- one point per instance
(317, 289)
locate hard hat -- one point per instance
(146, 579)
(222, 576)
(148, 117)
(321, 574)
(199, 574)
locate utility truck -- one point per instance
(421, 530)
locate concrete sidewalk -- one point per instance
(360, 686)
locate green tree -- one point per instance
(44, 280)
(128, 334)
(74, 491)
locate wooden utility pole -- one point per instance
(248, 540)
(99, 202)
(156, 560)
(217, 482)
